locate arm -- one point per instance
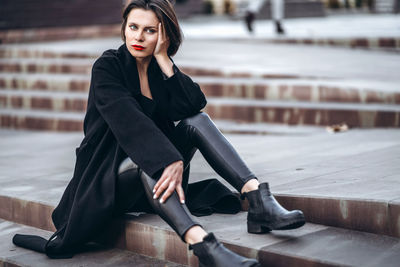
(186, 98)
(137, 134)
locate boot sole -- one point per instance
(260, 227)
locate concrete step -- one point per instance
(37, 63)
(44, 100)
(369, 203)
(304, 113)
(39, 81)
(347, 180)
(11, 255)
(41, 120)
(17, 52)
(244, 128)
(47, 65)
(42, 34)
(311, 245)
(57, 112)
(301, 89)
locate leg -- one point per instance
(206, 247)
(265, 213)
(130, 176)
(201, 132)
(209, 250)
(277, 7)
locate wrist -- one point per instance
(165, 64)
(162, 57)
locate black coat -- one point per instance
(117, 126)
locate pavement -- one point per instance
(332, 26)
(296, 160)
(346, 183)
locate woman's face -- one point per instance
(141, 32)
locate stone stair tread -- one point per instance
(349, 84)
(214, 101)
(44, 94)
(78, 116)
(11, 255)
(354, 84)
(335, 179)
(48, 61)
(302, 104)
(46, 76)
(313, 243)
(317, 244)
(90, 47)
(228, 126)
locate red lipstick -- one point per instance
(138, 47)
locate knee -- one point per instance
(201, 118)
(127, 165)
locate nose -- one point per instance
(139, 35)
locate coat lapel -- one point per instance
(130, 70)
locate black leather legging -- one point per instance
(196, 132)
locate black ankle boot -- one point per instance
(212, 253)
(266, 214)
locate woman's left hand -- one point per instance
(162, 43)
(170, 181)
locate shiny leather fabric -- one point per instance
(212, 253)
(172, 211)
(200, 131)
(196, 132)
(266, 214)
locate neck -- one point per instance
(143, 63)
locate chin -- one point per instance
(138, 54)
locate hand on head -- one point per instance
(162, 42)
(170, 180)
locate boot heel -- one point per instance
(256, 228)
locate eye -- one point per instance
(151, 31)
(132, 27)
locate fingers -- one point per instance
(161, 185)
(159, 182)
(160, 32)
(170, 180)
(181, 193)
(168, 192)
(162, 36)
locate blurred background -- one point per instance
(26, 14)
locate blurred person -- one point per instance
(143, 125)
(277, 13)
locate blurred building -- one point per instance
(304, 8)
(376, 6)
(24, 14)
(293, 8)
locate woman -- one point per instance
(133, 156)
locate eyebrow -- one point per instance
(133, 23)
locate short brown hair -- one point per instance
(166, 15)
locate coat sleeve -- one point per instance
(185, 96)
(136, 133)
